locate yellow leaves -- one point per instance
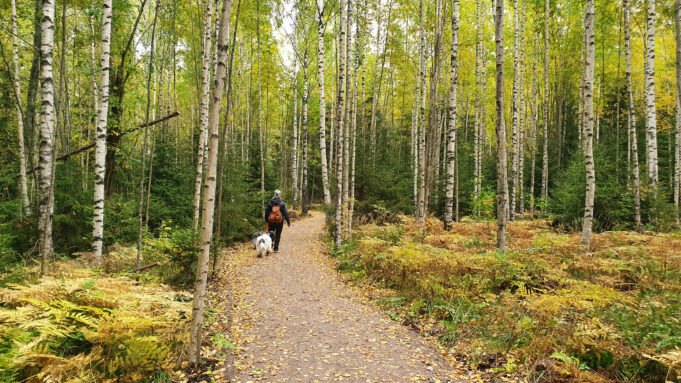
(112, 324)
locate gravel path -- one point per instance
(294, 320)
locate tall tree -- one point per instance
(502, 184)
(651, 117)
(515, 105)
(46, 191)
(23, 183)
(545, 154)
(321, 25)
(102, 105)
(206, 234)
(203, 107)
(589, 67)
(677, 147)
(261, 134)
(145, 141)
(294, 164)
(340, 126)
(451, 133)
(421, 208)
(631, 118)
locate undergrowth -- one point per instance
(545, 307)
(99, 324)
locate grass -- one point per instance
(613, 313)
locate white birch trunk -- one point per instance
(589, 124)
(45, 190)
(100, 130)
(340, 127)
(545, 154)
(294, 164)
(651, 119)
(209, 187)
(677, 147)
(26, 204)
(322, 103)
(631, 119)
(346, 123)
(304, 189)
(502, 183)
(516, 109)
(203, 108)
(421, 211)
(451, 132)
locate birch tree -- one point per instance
(589, 123)
(294, 164)
(651, 118)
(102, 105)
(203, 107)
(515, 106)
(545, 153)
(340, 126)
(322, 101)
(45, 189)
(677, 146)
(451, 133)
(631, 118)
(206, 234)
(421, 211)
(502, 184)
(23, 183)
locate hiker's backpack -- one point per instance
(275, 217)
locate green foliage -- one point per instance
(613, 205)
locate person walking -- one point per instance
(274, 217)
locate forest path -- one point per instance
(294, 320)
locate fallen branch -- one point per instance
(92, 145)
(149, 266)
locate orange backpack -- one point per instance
(275, 217)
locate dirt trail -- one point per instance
(294, 320)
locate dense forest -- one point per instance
(142, 137)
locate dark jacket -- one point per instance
(282, 207)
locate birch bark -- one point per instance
(589, 124)
(209, 187)
(451, 133)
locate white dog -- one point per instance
(262, 243)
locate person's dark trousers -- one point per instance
(277, 234)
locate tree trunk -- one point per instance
(677, 147)
(502, 183)
(305, 193)
(421, 210)
(26, 204)
(294, 168)
(516, 109)
(102, 105)
(340, 127)
(479, 100)
(261, 133)
(322, 103)
(209, 188)
(545, 154)
(140, 205)
(651, 122)
(203, 108)
(589, 123)
(46, 192)
(451, 133)
(535, 124)
(346, 129)
(631, 120)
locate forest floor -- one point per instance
(292, 318)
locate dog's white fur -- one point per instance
(263, 243)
